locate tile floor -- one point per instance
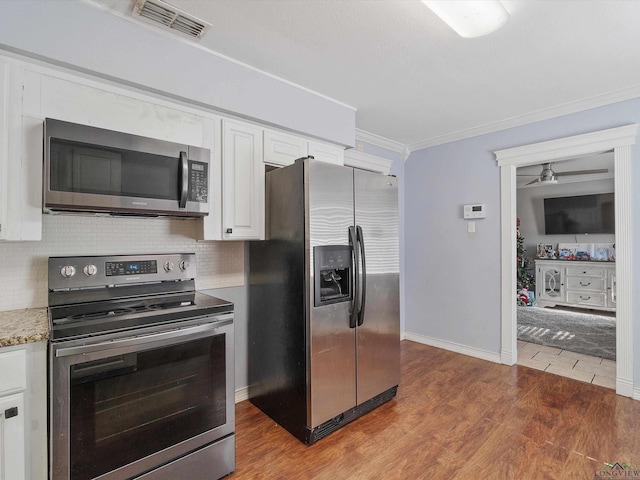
(585, 368)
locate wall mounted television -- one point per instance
(580, 214)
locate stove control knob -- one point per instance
(168, 266)
(68, 271)
(90, 270)
(184, 265)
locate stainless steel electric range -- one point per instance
(141, 371)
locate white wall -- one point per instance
(530, 211)
(452, 278)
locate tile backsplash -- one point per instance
(23, 265)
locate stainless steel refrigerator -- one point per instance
(324, 329)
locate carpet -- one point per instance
(579, 332)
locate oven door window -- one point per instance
(127, 407)
(80, 168)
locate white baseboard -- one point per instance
(507, 358)
(242, 394)
(624, 388)
(454, 347)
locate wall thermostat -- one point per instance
(474, 211)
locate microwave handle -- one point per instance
(184, 179)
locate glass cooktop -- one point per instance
(96, 318)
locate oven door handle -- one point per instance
(166, 337)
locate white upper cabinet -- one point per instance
(242, 182)
(20, 159)
(326, 153)
(283, 149)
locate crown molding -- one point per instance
(546, 114)
(382, 142)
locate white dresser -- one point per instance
(576, 284)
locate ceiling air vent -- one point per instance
(170, 17)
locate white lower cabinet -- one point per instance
(13, 382)
(12, 445)
(242, 182)
(23, 412)
(576, 284)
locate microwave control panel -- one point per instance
(198, 181)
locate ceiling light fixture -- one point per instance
(470, 18)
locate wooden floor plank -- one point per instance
(456, 417)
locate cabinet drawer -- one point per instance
(585, 283)
(588, 271)
(587, 298)
(13, 371)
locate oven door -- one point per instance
(123, 407)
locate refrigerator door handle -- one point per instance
(353, 310)
(363, 295)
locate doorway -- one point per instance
(565, 244)
(620, 141)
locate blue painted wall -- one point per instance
(452, 278)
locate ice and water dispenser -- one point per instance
(332, 274)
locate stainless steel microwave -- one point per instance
(89, 169)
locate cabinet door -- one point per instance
(242, 182)
(20, 158)
(549, 283)
(12, 452)
(326, 153)
(282, 149)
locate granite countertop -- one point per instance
(23, 326)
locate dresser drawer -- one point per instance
(587, 299)
(13, 371)
(588, 271)
(585, 283)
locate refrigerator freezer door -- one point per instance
(332, 369)
(378, 338)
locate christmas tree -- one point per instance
(525, 280)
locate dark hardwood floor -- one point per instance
(456, 417)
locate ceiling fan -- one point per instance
(548, 177)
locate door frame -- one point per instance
(620, 140)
